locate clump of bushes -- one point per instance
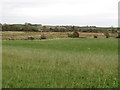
(74, 35)
(95, 36)
(30, 38)
(107, 35)
(43, 37)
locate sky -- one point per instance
(60, 12)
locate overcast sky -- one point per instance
(60, 12)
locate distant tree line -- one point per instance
(40, 28)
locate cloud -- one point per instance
(79, 12)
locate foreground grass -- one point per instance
(73, 63)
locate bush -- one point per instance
(70, 35)
(74, 35)
(118, 35)
(95, 36)
(30, 38)
(107, 34)
(35, 29)
(43, 37)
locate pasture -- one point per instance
(69, 63)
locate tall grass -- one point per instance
(73, 63)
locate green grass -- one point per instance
(0, 62)
(71, 63)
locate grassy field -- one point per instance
(0, 71)
(70, 63)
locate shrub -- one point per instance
(75, 35)
(35, 29)
(118, 35)
(30, 38)
(70, 35)
(95, 36)
(107, 34)
(43, 37)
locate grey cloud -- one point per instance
(63, 20)
(10, 7)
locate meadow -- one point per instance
(67, 63)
